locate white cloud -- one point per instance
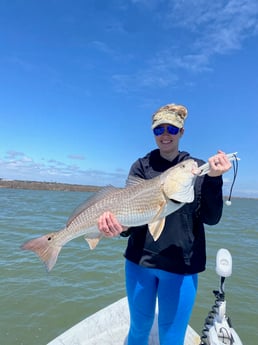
(206, 29)
(220, 26)
(17, 165)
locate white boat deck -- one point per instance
(109, 326)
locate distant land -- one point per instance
(55, 186)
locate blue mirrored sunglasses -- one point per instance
(161, 129)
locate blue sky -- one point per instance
(81, 79)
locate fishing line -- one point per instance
(235, 168)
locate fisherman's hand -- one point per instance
(219, 164)
(109, 226)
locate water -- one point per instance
(36, 306)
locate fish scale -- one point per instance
(129, 211)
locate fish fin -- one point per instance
(133, 180)
(93, 242)
(46, 250)
(156, 225)
(105, 191)
(156, 228)
(161, 209)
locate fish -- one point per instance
(140, 202)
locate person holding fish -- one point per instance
(167, 268)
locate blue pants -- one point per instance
(176, 294)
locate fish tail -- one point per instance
(46, 249)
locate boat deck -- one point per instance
(109, 326)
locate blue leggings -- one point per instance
(176, 294)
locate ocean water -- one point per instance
(37, 306)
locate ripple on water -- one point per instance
(42, 305)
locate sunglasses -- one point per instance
(161, 130)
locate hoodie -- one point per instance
(181, 247)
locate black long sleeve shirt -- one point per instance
(181, 247)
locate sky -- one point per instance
(81, 79)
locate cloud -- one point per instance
(159, 72)
(13, 154)
(17, 157)
(17, 165)
(206, 29)
(219, 27)
(103, 48)
(76, 157)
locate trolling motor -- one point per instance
(218, 328)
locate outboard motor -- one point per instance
(218, 328)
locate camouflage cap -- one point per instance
(172, 114)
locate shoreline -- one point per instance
(67, 187)
(51, 186)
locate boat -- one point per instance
(109, 326)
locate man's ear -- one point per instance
(182, 130)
